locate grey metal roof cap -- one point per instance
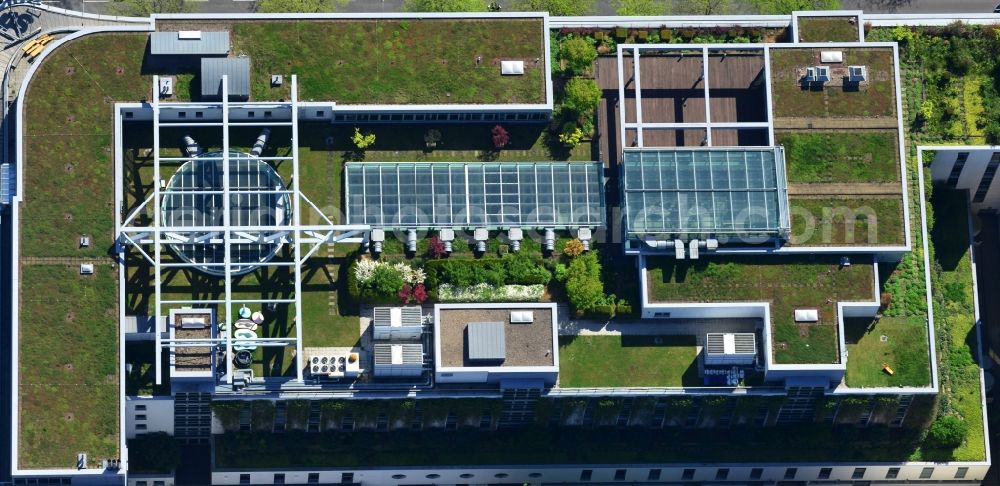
(486, 341)
(170, 43)
(236, 68)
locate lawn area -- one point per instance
(875, 98)
(627, 361)
(840, 156)
(905, 350)
(68, 366)
(828, 29)
(788, 283)
(391, 61)
(846, 221)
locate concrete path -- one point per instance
(846, 189)
(844, 123)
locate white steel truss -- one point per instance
(704, 51)
(304, 240)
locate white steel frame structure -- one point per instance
(705, 51)
(304, 240)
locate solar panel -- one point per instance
(475, 194)
(705, 191)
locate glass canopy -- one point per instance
(705, 191)
(475, 194)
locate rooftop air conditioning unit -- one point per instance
(818, 74)
(856, 74)
(86, 269)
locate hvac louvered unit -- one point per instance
(399, 360)
(724, 349)
(398, 323)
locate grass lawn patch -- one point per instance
(626, 361)
(875, 98)
(788, 283)
(831, 156)
(68, 366)
(905, 350)
(846, 221)
(392, 61)
(828, 29)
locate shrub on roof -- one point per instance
(947, 432)
(579, 53)
(582, 95)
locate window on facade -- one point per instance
(279, 478)
(586, 474)
(824, 473)
(859, 473)
(722, 474)
(140, 426)
(244, 479)
(926, 472)
(347, 477)
(791, 472)
(892, 473)
(961, 472)
(619, 475)
(654, 475)
(688, 474)
(756, 473)
(313, 478)
(140, 408)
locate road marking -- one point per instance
(95, 1)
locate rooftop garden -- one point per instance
(861, 220)
(68, 193)
(900, 343)
(627, 361)
(68, 366)
(788, 283)
(814, 156)
(828, 29)
(875, 98)
(391, 61)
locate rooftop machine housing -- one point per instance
(237, 70)
(494, 343)
(189, 42)
(397, 323)
(704, 193)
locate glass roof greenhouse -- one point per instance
(705, 191)
(475, 194)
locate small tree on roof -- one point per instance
(500, 137)
(362, 141)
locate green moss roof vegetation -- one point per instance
(828, 29)
(787, 282)
(874, 99)
(396, 61)
(68, 337)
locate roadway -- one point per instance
(604, 7)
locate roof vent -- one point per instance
(511, 68)
(856, 74)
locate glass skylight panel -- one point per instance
(704, 190)
(475, 194)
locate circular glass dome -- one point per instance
(194, 199)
